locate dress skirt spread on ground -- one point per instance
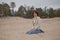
(36, 23)
(34, 31)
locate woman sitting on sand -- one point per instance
(36, 24)
(36, 20)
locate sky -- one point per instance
(36, 3)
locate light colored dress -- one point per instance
(36, 22)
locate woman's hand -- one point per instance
(33, 27)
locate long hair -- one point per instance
(35, 12)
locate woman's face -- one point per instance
(35, 14)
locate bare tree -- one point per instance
(13, 6)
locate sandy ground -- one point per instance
(14, 28)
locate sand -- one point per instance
(14, 28)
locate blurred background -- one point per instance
(24, 8)
(16, 19)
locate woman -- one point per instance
(36, 24)
(36, 20)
